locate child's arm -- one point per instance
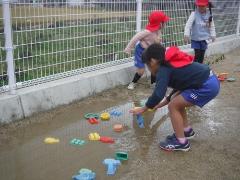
(134, 41)
(188, 27)
(159, 37)
(173, 93)
(212, 31)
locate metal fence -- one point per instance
(60, 38)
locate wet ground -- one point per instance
(214, 154)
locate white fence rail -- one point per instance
(62, 38)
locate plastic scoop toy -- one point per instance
(122, 156)
(140, 121)
(118, 127)
(106, 139)
(85, 174)
(51, 140)
(105, 116)
(94, 137)
(77, 142)
(111, 165)
(93, 121)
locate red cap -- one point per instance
(202, 2)
(155, 19)
(177, 58)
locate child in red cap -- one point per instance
(200, 28)
(144, 39)
(195, 84)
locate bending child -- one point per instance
(200, 27)
(194, 84)
(142, 40)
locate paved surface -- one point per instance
(214, 154)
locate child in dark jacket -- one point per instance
(194, 84)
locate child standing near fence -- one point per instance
(195, 84)
(200, 28)
(142, 40)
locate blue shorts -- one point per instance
(202, 45)
(203, 95)
(138, 56)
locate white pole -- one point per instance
(9, 46)
(238, 24)
(139, 16)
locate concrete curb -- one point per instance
(64, 91)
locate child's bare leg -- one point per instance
(140, 71)
(184, 115)
(178, 115)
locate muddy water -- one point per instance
(214, 154)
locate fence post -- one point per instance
(139, 16)
(9, 46)
(238, 23)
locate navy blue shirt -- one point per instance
(188, 77)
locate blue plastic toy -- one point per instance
(85, 174)
(78, 142)
(115, 113)
(140, 121)
(111, 165)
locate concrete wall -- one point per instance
(50, 95)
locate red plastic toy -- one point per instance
(106, 139)
(93, 121)
(221, 78)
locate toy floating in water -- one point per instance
(111, 165)
(51, 140)
(93, 121)
(122, 156)
(85, 174)
(94, 136)
(91, 115)
(105, 116)
(140, 121)
(106, 139)
(78, 142)
(231, 79)
(118, 127)
(115, 113)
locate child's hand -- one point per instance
(186, 39)
(138, 110)
(127, 51)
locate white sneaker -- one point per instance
(131, 86)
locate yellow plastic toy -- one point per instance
(94, 136)
(51, 140)
(105, 116)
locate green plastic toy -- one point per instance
(77, 142)
(123, 156)
(91, 115)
